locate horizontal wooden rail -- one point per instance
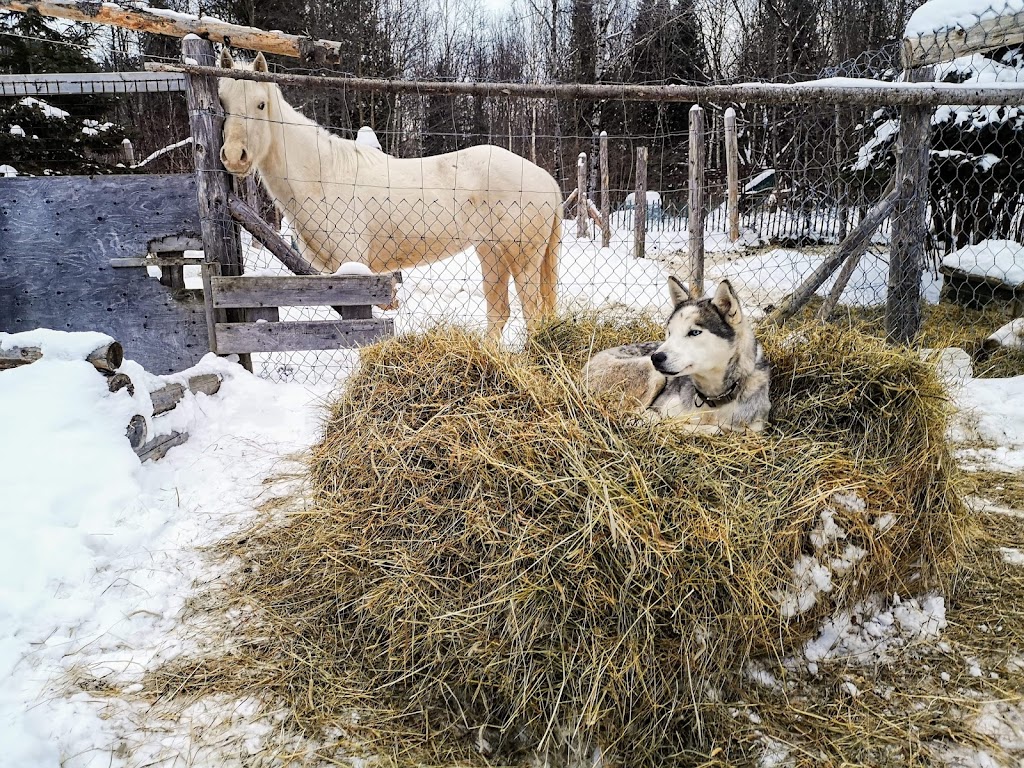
(949, 44)
(299, 336)
(830, 91)
(302, 291)
(79, 83)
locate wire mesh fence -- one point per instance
(810, 175)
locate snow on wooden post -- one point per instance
(909, 219)
(213, 184)
(732, 166)
(128, 152)
(696, 200)
(606, 203)
(640, 204)
(582, 224)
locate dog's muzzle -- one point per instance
(659, 361)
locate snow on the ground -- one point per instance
(941, 15)
(999, 259)
(1010, 335)
(98, 553)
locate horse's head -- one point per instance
(249, 111)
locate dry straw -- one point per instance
(489, 559)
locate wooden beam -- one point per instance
(695, 219)
(732, 166)
(89, 83)
(167, 397)
(247, 216)
(582, 225)
(300, 336)
(909, 220)
(302, 291)
(945, 45)
(875, 93)
(173, 24)
(13, 357)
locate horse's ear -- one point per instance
(259, 64)
(225, 58)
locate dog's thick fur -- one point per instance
(709, 372)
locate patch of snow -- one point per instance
(653, 199)
(47, 109)
(163, 151)
(353, 268)
(999, 259)
(1011, 556)
(942, 15)
(7, 171)
(56, 345)
(17, 130)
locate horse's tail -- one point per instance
(549, 266)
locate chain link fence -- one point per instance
(810, 174)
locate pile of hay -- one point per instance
(490, 558)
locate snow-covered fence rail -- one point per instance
(91, 83)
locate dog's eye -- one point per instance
(262, 105)
(695, 332)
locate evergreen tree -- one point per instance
(57, 135)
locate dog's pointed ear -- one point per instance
(259, 64)
(677, 291)
(727, 303)
(226, 62)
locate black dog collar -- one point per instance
(700, 399)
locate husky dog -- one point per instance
(710, 371)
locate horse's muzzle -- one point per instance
(240, 165)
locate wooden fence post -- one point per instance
(640, 204)
(696, 201)
(128, 152)
(213, 184)
(606, 203)
(582, 223)
(732, 166)
(909, 219)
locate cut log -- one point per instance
(120, 381)
(854, 245)
(136, 432)
(17, 356)
(166, 398)
(158, 447)
(106, 359)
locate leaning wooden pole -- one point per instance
(160, 22)
(732, 170)
(582, 222)
(909, 220)
(695, 219)
(640, 204)
(854, 244)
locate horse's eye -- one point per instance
(262, 104)
(695, 332)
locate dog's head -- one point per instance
(701, 333)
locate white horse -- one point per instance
(352, 203)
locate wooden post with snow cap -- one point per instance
(732, 166)
(696, 201)
(640, 204)
(128, 152)
(909, 219)
(582, 223)
(213, 184)
(606, 203)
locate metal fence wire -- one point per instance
(811, 172)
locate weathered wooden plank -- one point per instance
(909, 220)
(606, 203)
(695, 219)
(582, 225)
(158, 447)
(245, 215)
(159, 261)
(732, 165)
(302, 291)
(175, 243)
(299, 336)
(83, 83)
(640, 205)
(946, 45)
(167, 397)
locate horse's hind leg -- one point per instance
(526, 271)
(495, 278)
